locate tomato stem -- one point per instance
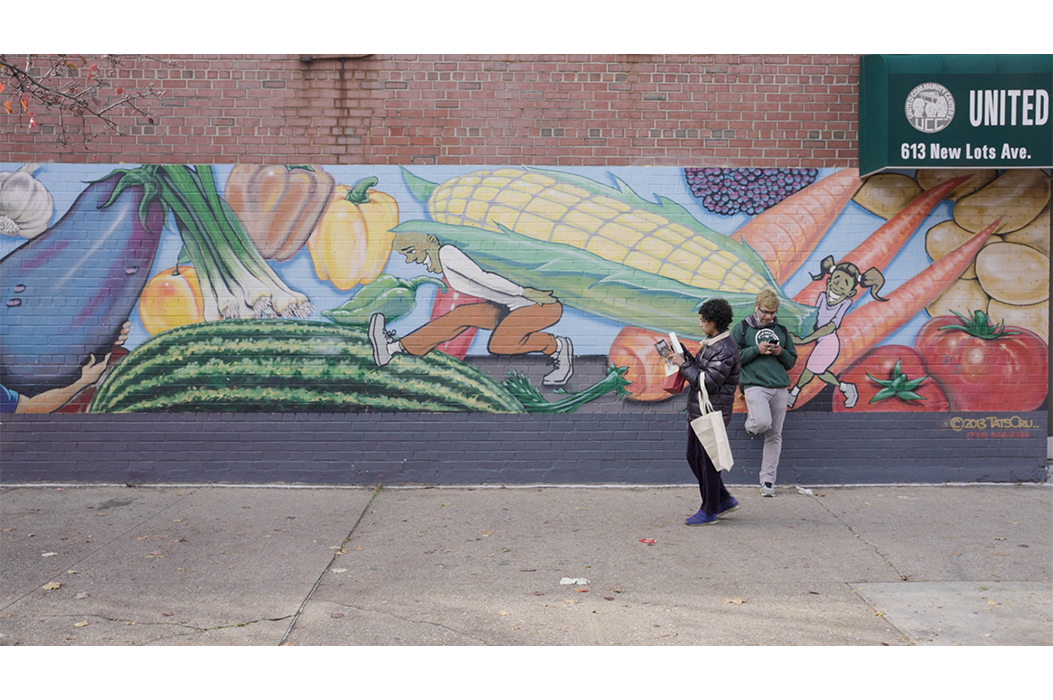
(979, 325)
(897, 385)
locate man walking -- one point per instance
(768, 354)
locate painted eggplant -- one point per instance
(66, 293)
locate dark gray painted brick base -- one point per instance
(454, 449)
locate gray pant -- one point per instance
(767, 411)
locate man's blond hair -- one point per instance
(768, 299)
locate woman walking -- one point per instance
(717, 364)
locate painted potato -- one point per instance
(886, 193)
(928, 179)
(945, 237)
(963, 296)
(1035, 234)
(1034, 317)
(1017, 196)
(1013, 273)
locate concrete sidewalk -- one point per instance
(206, 565)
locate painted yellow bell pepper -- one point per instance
(352, 242)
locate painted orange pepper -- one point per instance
(353, 240)
(279, 205)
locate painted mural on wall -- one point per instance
(507, 289)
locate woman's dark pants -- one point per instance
(710, 483)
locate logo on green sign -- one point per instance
(930, 107)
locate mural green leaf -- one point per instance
(418, 186)
(519, 386)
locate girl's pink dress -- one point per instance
(828, 347)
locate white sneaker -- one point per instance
(378, 339)
(851, 394)
(563, 363)
(767, 490)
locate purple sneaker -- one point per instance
(728, 506)
(701, 518)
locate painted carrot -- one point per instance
(785, 235)
(881, 246)
(864, 328)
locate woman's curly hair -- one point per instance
(718, 312)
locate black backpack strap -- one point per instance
(745, 327)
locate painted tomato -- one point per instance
(985, 367)
(171, 299)
(633, 348)
(892, 378)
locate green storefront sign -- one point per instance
(955, 111)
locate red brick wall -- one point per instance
(568, 110)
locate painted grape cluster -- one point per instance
(750, 190)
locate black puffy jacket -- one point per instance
(719, 364)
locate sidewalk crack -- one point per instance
(296, 616)
(902, 576)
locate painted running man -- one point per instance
(516, 315)
(842, 285)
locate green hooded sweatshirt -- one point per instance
(769, 371)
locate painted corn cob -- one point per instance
(615, 224)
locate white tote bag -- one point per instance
(709, 427)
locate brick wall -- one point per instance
(570, 110)
(313, 448)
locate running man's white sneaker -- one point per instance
(378, 339)
(563, 363)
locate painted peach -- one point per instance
(171, 299)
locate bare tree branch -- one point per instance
(66, 86)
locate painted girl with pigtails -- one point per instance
(842, 285)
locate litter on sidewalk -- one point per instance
(565, 581)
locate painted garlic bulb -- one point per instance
(26, 205)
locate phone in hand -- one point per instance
(663, 349)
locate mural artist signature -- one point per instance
(1012, 423)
